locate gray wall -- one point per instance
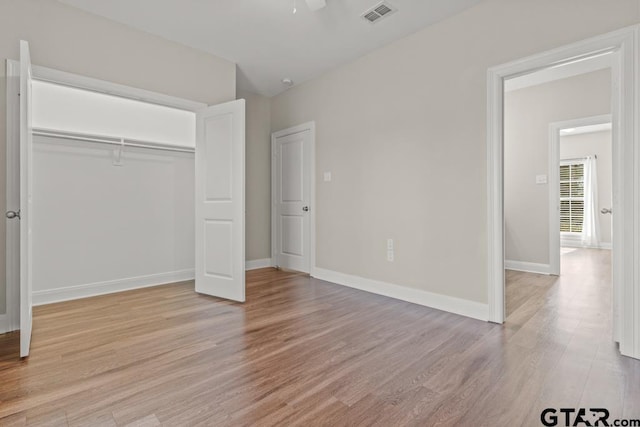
(403, 131)
(70, 40)
(258, 167)
(588, 144)
(129, 222)
(528, 113)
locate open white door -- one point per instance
(220, 148)
(26, 185)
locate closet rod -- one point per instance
(101, 139)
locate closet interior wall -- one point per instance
(108, 215)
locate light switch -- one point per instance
(541, 179)
(327, 176)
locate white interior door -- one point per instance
(220, 228)
(292, 191)
(26, 185)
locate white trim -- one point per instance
(88, 83)
(578, 244)
(446, 303)
(111, 286)
(6, 325)
(495, 197)
(631, 290)
(96, 85)
(254, 264)
(557, 239)
(10, 321)
(529, 267)
(311, 127)
(626, 191)
(556, 73)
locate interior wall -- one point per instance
(403, 131)
(99, 227)
(64, 108)
(258, 176)
(588, 144)
(528, 114)
(68, 39)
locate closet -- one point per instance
(119, 188)
(113, 193)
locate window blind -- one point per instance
(571, 197)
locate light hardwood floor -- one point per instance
(306, 352)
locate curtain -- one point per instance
(591, 225)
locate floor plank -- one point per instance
(301, 351)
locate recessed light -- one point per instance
(287, 81)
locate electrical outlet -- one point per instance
(390, 254)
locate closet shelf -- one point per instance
(110, 140)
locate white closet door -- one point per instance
(26, 186)
(220, 227)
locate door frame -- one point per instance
(311, 127)
(554, 181)
(626, 193)
(10, 321)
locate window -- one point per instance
(571, 197)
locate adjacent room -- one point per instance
(558, 181)
(557, 205)
(320, 212)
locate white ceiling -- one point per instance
(268, 41)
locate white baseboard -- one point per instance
(578, 244)
(258, 263)
(450, 304)
(101, 288)
(6, 324)
(529, 267)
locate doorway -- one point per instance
(292, 193)
(581, 184)
(621, 45)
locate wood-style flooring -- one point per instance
(302, 351)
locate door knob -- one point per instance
(605, 211)
(12, 214)
(305, 208)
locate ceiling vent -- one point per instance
(379, 11)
